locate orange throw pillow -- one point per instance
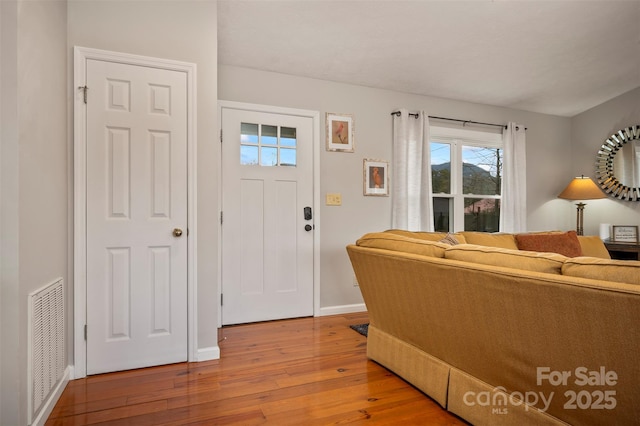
(566, 243)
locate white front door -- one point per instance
(267, 224)
(136, 216)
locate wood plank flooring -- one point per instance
(307, 371)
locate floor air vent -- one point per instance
(46, 343)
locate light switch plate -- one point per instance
(334, 199)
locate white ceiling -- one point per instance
(557, 57)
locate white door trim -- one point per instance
(81, 55)
(315, 117)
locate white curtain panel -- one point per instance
(411, 184)
(513, 211)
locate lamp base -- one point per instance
(580, 219)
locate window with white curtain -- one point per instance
(466, 179)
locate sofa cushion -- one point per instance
(428, 236)
(550, 263)
(507, 241)
(592, 246)
(620, 271)
(565, 243)
(395, 242)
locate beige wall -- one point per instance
(548, 153)
(184, 31)
(34, 177)
(589, 130)
(9, 278)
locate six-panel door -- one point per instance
(136, 198)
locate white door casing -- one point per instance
(134, 183)
(267, 255)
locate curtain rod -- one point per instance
(416, 115)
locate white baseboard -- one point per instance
(342, 309)
(208, 354)
(54, 396)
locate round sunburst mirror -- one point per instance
(618, 164)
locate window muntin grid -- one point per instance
(268, 145)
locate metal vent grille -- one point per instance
(47, 347)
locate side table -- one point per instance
(622, 251)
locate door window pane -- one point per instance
(441, 168)
(269, 135)
(481, 170)
(287, 136)
(248, 133)
(268, 156)
(482, 214)
(287, 157)
(248, 155)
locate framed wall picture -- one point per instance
(624, 234)
(340, 132)
(376, 177)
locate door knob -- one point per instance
(308, 228)
(177, 232)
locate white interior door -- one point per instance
(136, 216)
(267, 241)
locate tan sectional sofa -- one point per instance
(499, 335)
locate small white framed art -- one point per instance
(376, 177)
(340, 132)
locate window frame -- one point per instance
(457, 138)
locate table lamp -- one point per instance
(581, 188)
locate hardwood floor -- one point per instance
(307, 371)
